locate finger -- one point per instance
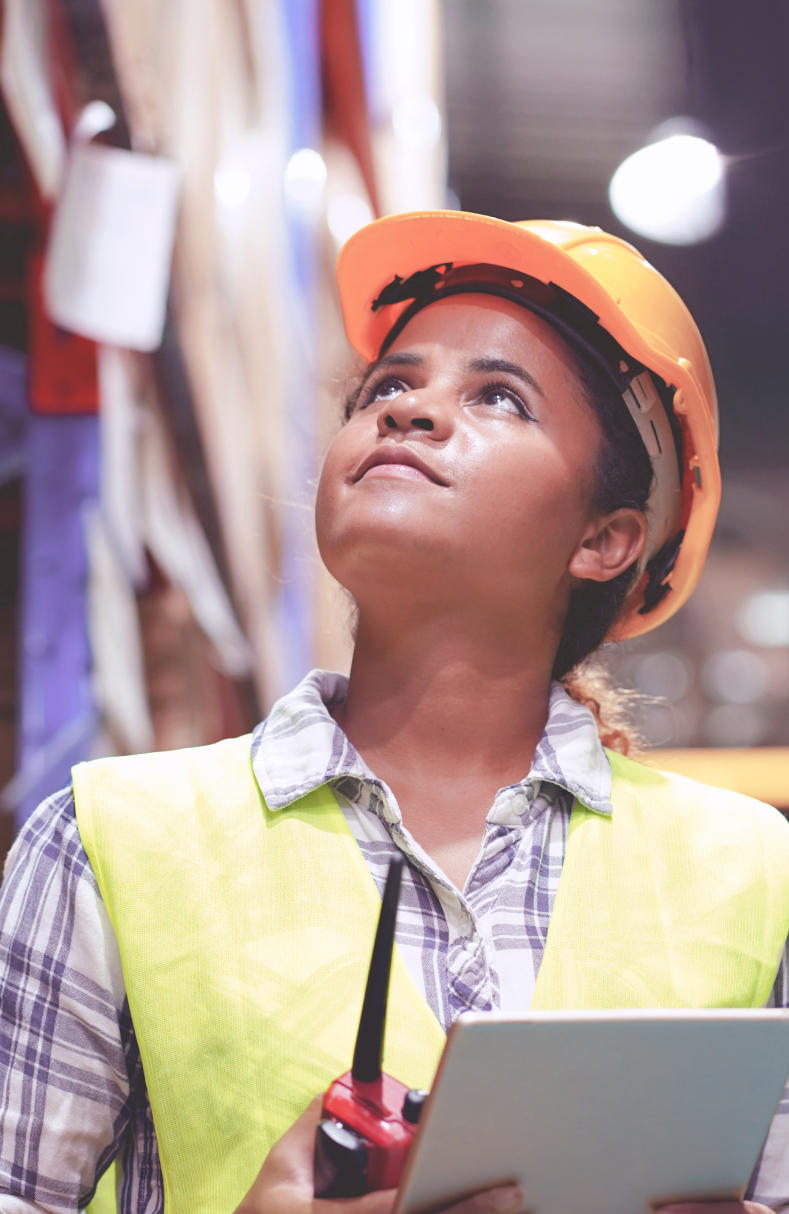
(289, 1199)
(286, 1180)
(714, 1207)
(305, 1125)
(291, 1157)
(702, 1207)
(503, 1199)
(380, 1202)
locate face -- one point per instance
(466, 468)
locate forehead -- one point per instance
(485, 325)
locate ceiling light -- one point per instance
(672, 190)
(764, 618)
(305, 179)
(232, 184)
(95, 118)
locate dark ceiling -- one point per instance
(546, 97)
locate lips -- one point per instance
(397, 455)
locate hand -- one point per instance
(714, 1207)
(284, 1184)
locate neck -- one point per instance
(437, 703)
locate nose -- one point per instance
(416, 410)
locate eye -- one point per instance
(382, 389)
(504, 399)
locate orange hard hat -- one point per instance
(601, 294)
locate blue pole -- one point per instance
(301, 29)
(58, 717)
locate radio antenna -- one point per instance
(368, 1055)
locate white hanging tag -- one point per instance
(110, 248)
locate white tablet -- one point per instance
(600, 1112)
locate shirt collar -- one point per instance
(299, 747)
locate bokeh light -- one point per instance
(672, 190)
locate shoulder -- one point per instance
(691, 806)
(159, 774)
(51, 912)
(161, 795)
(48, 840)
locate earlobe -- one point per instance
(610, 546)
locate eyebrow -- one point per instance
(504, 367)
(394, 360)
(484, 365)
(389, 360)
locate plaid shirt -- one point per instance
(72, 1091)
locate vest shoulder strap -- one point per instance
(679, 898)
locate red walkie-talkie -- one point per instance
(369, 1119)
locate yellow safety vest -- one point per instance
(245, 936)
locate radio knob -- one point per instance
(413, 1104)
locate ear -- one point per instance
(611, 544)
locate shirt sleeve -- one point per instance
(770, 1180)
(67, 1049)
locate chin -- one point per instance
(396, 564)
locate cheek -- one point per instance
(540, 503)
(331, 499)
(326, 496)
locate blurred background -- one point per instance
(175, 182)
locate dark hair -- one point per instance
(624, 478)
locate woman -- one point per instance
(516, 480)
